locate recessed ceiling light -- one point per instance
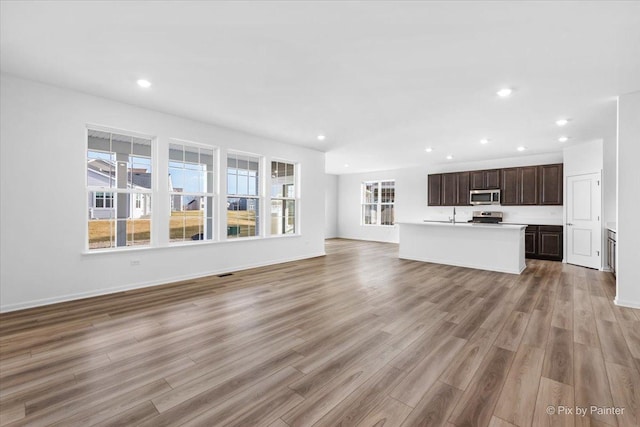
(428, 150)
(346, 165)
(521, 148)
(144, 83)
(504, 92)
(563, 139)
(562, 122)
(321, 137)
(449, 157)
(484, 141)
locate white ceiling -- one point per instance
(382, 80)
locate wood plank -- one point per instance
(631, 332)
(584, 328)
(558, 361)
(317, 405)
(390, 412)
(270, 397)
(553, 394)
(465, 364)
(435, 407)
(614, 346)
(498, 422)
(590, 377)
(476, 405)
(425, 374)
(11, 413)
(134, 416)
(518, 397)
(625, 390)
(602, 308)
(513, 330)
(358, 404)
(538, 328)
(563, 314)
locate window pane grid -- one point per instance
(191, 194)
(378, 200)
(119, 187)
(243, 196)
(283, 198)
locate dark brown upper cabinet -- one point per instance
(528, 183)
(434, 186)
(463, 189)
(551, 184)
(485, 180)
(509, 188)
(448, 189)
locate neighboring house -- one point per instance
(176, 199)
(194, 205)
(242, 204)
(101, 173)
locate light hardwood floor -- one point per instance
(356, 338)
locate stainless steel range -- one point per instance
(486, 217)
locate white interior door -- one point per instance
(583, 229)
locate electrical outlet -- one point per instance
(135, 262)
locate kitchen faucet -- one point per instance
(453, 220)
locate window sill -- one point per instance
(186, 245)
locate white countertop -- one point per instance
(470, 225)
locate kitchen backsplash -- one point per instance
(539, 215)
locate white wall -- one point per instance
(331, 206)
(411, 199)
(628, 248)
(582, 159)
(609, 170)
(43, 200)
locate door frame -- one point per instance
(565, 214)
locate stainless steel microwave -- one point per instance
(484, 197)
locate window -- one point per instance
(243, 195)
(191, 192)
(283, 198)
(378, 200)
(103, 200)
(118, 190)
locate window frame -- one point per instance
(259, 198)
(378, 204)
(212, 191)
(92, 190)
(295, 198)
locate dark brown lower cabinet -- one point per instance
(543, 242)
(531, 241)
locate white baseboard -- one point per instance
(629, 304)
(129, 287)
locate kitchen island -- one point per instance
(495, 247)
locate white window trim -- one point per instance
(213, 194)
(295, 198)
(115, 191)
(261, 222)
(378, 204)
